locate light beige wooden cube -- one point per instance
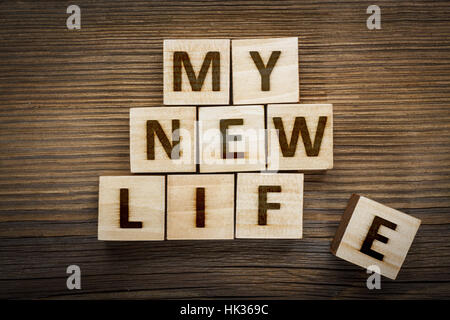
(300, 136)
(269, 205)
(200, 207)
(197, 72)
(218, 129)
(265, 70)
(131, 208)
(162, 139)
(373, 234)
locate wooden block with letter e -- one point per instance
(196, 71)
(300, 136)
(373, 234)
(231, 138)
(162, 139)
(131, 208)
(265, 70)
(269, 205)
(200, 207)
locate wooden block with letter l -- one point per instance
(265, 70)
(231, 138)
(269, 205)
(373, 234)
(131, 208)
(200, 207)
(196, 71)
(300, 136)
(162, 139)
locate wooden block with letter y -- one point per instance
(265, 70)
(373, 234)
(162, 139)
(196, 71)
(131, 208)
(200, 206)
(231, 138)
(300, 136)
(269, 205)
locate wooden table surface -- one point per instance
(65, 97)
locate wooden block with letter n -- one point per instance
(265, 70)
(231, 138)
(162, 139)
(196, 71)
(269, 205)
(372, 234)
(131, 208)
(300, 136)
(200, 207)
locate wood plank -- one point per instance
(65, 98)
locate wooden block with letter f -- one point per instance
(196, 71)
(131, 208)
(269, 205)
(372, 234)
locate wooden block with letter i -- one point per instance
(231, 138)
(265, 70)
(131, 208)
(300, 136)
(162, 139)
(372, 234)
(196, 71)
(269, 205)
(200, 207)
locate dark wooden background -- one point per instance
(65, 96)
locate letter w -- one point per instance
(182, 58)
(288, 149)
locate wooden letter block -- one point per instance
(196, 71)
(300, 136)
(265, 70)
(373, 234)
(231, 138)
(131, 208)
(200, 207)
(269, 205)
(162, 139)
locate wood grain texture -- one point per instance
(65, 99)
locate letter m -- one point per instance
(182, 58)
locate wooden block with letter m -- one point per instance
(196, 71)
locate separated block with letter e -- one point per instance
(269, 205)
(131, 208)
(200, 206)
(196, 71)
(162, 139)
(373, 234)
(265, 70)
(231, 138)
(300, 136)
